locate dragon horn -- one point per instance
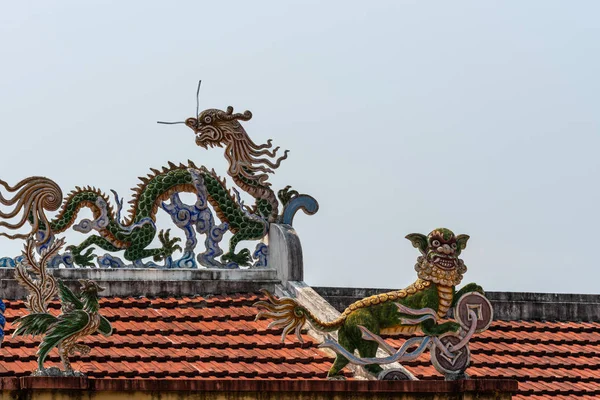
(230, 116)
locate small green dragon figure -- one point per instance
(79, 317)
(249, 166)
(439, 270)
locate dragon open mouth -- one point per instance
(208, 136)
(203, 142)
(206, 145)
(200, 143)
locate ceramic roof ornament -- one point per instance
(79, 317)
(250, 166)
(418, 308)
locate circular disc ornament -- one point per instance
(393, 374)
(450, 365)
(479, 305)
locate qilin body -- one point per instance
(439, 271)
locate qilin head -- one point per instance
(217, 128)
(439, 260)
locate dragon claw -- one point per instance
(169, 244)
(241, 258)
(285, 195)
(85, 259)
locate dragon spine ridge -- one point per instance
(249, 166)
(146, 201)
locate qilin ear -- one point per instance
(461, 242)
(419, 241)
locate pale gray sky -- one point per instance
(401, 116)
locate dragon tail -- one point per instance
(288, 314)
(28, 201)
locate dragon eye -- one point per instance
(454, 245)
(207, 120)
(435, 243)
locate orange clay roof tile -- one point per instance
(558, 360)
(189, 337)
(216, 337)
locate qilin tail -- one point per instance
(29, 199)
(288, 314)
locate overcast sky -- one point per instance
(482, 117)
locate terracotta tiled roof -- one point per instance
(217, 337)
(199, 337)
(558, 360)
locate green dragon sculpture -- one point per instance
(439, 271)
(79, 316)
(249, 166)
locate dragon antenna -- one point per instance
(198, 98)
(197, 107)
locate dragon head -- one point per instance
(439, 262)
(218, 128)
(89, 286)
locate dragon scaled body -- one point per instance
(439, 270)
(249, 166)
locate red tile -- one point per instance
(216, 336)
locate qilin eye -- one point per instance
(435, 243)
(454, 246)
(207, 120)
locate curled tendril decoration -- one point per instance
(285, 314)
(30, 198)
